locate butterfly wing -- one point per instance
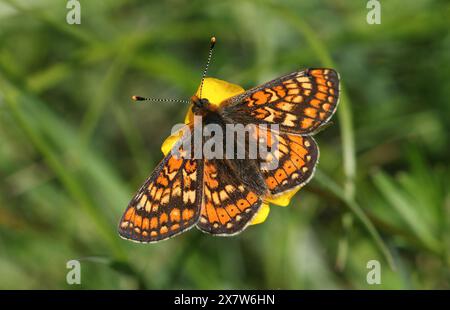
(293, 159)
(169, 201)
(299, 102)
(228, 204)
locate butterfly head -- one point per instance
(201, 105)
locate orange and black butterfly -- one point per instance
(221, 196)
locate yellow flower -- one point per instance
(216, 91)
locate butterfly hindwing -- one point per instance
(169, 201)
(296, 158)
(229, 205)
(299, 102)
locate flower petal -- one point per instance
(216, 90)
(262, 214)
(170, 142)
(284, 199)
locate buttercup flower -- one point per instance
(216, 91)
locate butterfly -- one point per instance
(222, 196)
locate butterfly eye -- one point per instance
(204, 102)
(200, 103)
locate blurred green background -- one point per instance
(74, 148)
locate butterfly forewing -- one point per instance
(299, 102)
(169, 202)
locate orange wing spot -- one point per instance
(311, 112)
(212, 183)
(252, 198)
(145, 234)
(143, 201)
(321, 96)
(153, 192)
(326, 107)
(261, 113)
(331, 90)
(165, 196)
(321, 81)
(158, 194)
(294, 91)
(129, 214)
(243, 204)
(285, 106)
(132, 218)
(298, 149)
(212, 215)
(331, 99)
(223, 215)
(232, 210)
(291, 98)
(153, 222)
(322, 88)
(187, 214)
(190, 166)
(280, 91)
(153, 234)
(316, 72)
(261, 97)
(162, 180)
(307, 123)
(297, 99)
(175, 227)
(175, 215)
(322, 115)
(289, 167)
(150, 187)
(280, 175)
(283, 149)
(163, 218)
(138, 220)
(297, 139)
(187, 181)
(145, 224)
(315, 103)
(211, 169)
(298, 162)
(155, 207)
(274, 113)
(271, 182)
(174, 164)
(163, 230)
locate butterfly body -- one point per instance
(221, 196)
(245, 169)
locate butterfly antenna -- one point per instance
(211, 47)
(139, 98)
